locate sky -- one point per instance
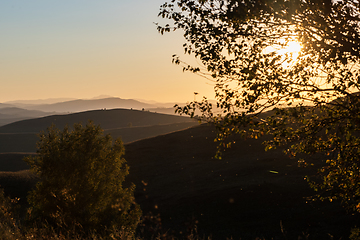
(86, 48)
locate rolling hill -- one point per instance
(250, 193)
(13, 114)
(130, 125)
(108, 119)
(14, 111)
(6, 105)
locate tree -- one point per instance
(81, 176)
(8, 223)
(308, 103)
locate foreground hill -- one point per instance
(250, 193)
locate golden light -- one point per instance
(292, 49)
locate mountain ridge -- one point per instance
(80, 105)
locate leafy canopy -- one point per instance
(81, 176)
(312, 97)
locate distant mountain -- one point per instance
(19, 112)
(68, 105)
(26, 103)
(104, 96)
(80, 105)
(159, 104)
(163, 110)
(5, 105)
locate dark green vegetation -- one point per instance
(237, 43)
(81, 174)
(130, 125)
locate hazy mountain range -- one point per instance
(25, 109)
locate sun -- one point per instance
(292, 48)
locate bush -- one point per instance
(81, 174)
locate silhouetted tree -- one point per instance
(81, 176)
(315, 108)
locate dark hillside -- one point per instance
(250, 193)
(12, 162)
(108, 119)
(129, 125)
(26, 142)
(18, 142)
(131, 134)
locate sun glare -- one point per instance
(292, 48)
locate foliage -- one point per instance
(81, 176)
(307, 102)
(8, 225)
(355, 234)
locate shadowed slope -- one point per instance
(250, 193)
(108, 119)
(129, 125)
(13, 162)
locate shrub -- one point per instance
(81, 176)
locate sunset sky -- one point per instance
(87, 48)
